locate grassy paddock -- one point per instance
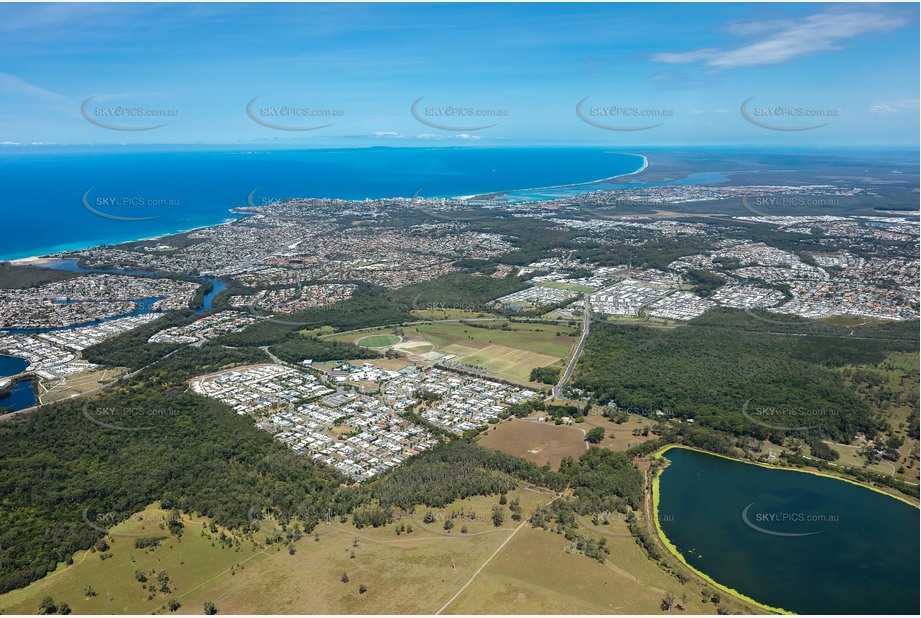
(404, 574)
(505, 354)
(189, 562)
(534, 574)
(537, 442)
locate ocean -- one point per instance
(58, 199)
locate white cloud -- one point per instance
(14, 85)
(890, 107)
(782, 40)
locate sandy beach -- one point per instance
(481, 196)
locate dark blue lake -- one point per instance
(21, 396)
(10, 365)
(801, 542)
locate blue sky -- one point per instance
(688, 68)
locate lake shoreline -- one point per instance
(660, 452)
(672, 548)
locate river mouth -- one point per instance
(788, 540)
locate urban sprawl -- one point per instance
(310, 254)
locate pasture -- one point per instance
(541, 443)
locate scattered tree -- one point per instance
(594, 436)
(47, 606)
(668, 601)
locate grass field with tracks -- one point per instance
(538, 442)
(378, 341)
(521, 570)
(508, 354)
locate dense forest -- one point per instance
(58, 466)
(546, 375)
(458, 290)
(27, 276)
(722, 376)
(132, 350)
(297, 348)
(456, 470)
(603, 480)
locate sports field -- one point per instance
(378, 341)
(503, 353)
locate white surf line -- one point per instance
(566, 186)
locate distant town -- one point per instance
(308, 254)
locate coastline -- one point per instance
(672, 549)
(566, 186)
(43, 257)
